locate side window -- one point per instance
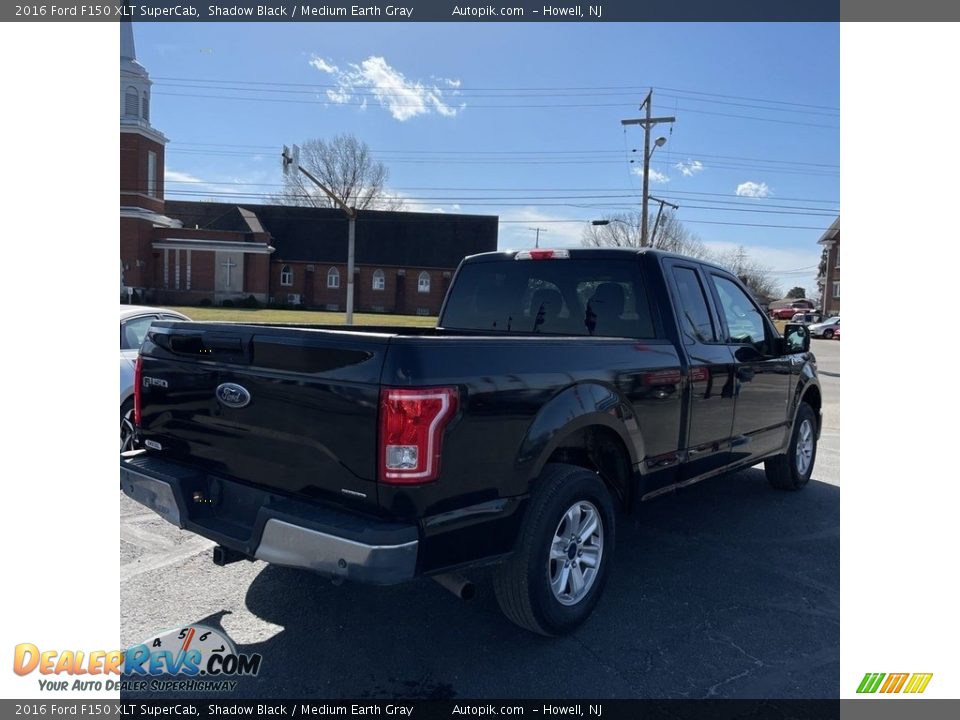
(133, 332)
(695, 320)
(744, 322)
(333, 278)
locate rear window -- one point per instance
(550, 297)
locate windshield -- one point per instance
(550, 297)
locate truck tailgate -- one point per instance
(290, 409)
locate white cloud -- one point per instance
(404, 98)
(655, 175)
(689, 168)
(753, 189)
(180, 177)
(323, 66)
(224, 190)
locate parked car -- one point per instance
(806, 318)
(827, 329)
(788, 311)
(558, 387)
(788, 307)
(836, 332)
(134, 323)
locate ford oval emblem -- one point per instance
(233, 395)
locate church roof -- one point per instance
(318, 235)
(236, 219)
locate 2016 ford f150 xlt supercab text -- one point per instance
(559, 387)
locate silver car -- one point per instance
(827, 329)
(135, 320)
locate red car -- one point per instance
(787, 312)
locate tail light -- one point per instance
(557, 254)
(137, 389)
(412, 421)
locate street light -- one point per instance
(293, 160)
(647, 122)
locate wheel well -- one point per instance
(812, 398)
(600, 450)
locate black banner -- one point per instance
(428, 11)
(438, 709)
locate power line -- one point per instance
(364, 92)
(511, 202)
(458, 198)
(772, 170)
(468, 89)
(628, 193)
(329, 103)
(595, 151)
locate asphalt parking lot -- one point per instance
(727, 589)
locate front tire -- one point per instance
(828, 334)
(792, 470)
(554, 579)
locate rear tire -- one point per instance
(792, 470)
(554, 579)
(127, 432)
(828, 334)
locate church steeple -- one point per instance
(134, 82)
(128, 50)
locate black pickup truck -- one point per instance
(559, 387)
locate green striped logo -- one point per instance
(894, 683)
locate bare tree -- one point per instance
(756, 276)
(346, 166)
(624, 230)
(673, 236)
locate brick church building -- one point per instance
(176, 252)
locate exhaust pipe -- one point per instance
(224, 556)
(457, 584)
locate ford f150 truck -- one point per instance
(558, 387)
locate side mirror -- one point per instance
(796, 339)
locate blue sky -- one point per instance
(447, 108)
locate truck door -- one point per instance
(710, 397)
(762, 376)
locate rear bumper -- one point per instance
(272, 528)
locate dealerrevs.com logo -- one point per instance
(194, 657)
(909, 683)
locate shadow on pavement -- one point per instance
(727, 589)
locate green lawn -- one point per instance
(314, 317)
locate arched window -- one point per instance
(286, 275)
(423, 282)
(333, 278)
(131, 102)
(145, 106)
(379, 280)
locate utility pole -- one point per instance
(538, 230)
(293, 159)
(653, 236)
(647, 122)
